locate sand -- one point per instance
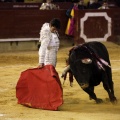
(76, 106)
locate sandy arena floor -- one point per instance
(77, 105)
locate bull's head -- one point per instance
(81, 69)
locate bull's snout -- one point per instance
(84, 85)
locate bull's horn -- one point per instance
(86, 61)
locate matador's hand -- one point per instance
(41, 65)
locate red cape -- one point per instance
(40, 88)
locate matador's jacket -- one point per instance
(49, 46)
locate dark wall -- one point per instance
(27, 23)
(21, 5)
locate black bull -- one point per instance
(90, 66)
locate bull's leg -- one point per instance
(92, 88)
(109, 86)
(110, 92)
(113, 98)
(93, 95)
(71, 78)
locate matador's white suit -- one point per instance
(49, 46)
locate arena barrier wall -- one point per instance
(97, 25)
(23, 25)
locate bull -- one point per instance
(90, 65)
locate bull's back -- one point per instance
(99, 49)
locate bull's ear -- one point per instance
(86, 60)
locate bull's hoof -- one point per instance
(114, 100)
(90, 98)
(98, 101)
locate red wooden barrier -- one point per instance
(97, 25)
(27, 23)
(90, 25)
